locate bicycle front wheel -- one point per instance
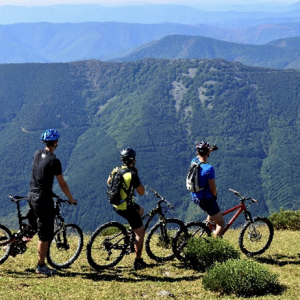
(107, 246)
(160, 239)
(5, 236)
(256, 237)
(65, 246)
(191, 229)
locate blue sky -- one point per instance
(114, 2)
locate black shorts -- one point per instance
(210, 206)
(131, 214)
(41, 215)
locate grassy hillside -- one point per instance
(161, 108)
(279, 54)
(18, 280)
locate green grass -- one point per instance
(19, 281)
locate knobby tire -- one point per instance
(256, 237)
(65, 246)
(159, 242)
(5, 235)
(191, 229)
(107, 246)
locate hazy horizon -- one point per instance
(126, 2)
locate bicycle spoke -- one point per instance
(65, 246)
(107, 246)
(255, 238)
(160, 240)
(5, 248)
(192, 229)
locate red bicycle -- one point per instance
(255, 237)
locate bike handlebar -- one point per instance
(60, 200)
(242, 197)
(156, 194)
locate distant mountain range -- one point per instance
(47, 42)
(244, 7)
(145, 14)
(282, 54)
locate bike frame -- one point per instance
(241, 208)
(58, 217)
(20, 219)
(152, 213)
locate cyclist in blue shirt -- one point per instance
(207, 197)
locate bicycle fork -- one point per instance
(61, 238)
(253, 233)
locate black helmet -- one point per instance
(203, 148)
(127, 155)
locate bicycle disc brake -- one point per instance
(253, 234)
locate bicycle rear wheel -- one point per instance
(160, 239)
(256, 237)
(65, 246)
(107, 246)
(5, 236)
(191, 229)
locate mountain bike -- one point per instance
(111, 241)
(68, 238)
(255, 237)
(67, 241)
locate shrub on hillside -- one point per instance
(286, 219)
(242, 278)
(202, 253)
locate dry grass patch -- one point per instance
(19, 281)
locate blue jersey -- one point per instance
(206, 172)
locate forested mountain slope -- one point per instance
(283, 53)
(161, 108)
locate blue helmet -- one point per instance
(50, 135)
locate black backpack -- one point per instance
(116, 184)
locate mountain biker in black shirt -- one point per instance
(46, 166)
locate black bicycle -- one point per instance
(67, 241)
(64, 248)
(111, 241)
(255, 237)
(15, 243)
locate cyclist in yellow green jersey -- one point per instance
(127, 208)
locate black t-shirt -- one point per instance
(45, 167)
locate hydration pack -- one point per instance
(116, 184)
(192, 184)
